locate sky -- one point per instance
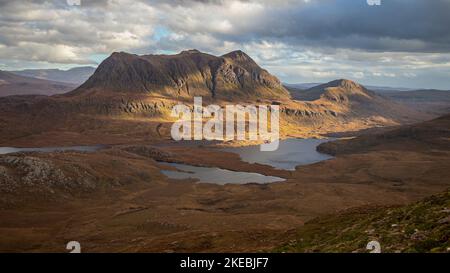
(404, 43)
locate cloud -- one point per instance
(59, 33)
(399, 42)
(396, 25)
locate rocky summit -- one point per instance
(190, 73)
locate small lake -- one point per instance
(10, 150)
(216, 175)
(291, 153)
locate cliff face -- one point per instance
(187, 74)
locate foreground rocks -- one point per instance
(31, 173)
(421, 227)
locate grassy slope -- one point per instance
(420, 227)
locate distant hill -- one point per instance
(383, 89)
(430, 101)
(379, 89)
(425, 136)
(190, 73)
(301, 86)
(334, 90)
(351, 99)
(298, 90)
(76, 75)
(12, 84)
(436, 102)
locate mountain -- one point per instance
(434, 102)
(134, 82)
(143, 89)
(76, 75)
(338, 90)
(184, 75)
(12, 84)
(351, 100)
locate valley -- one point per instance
(117, 199)
(121, 198)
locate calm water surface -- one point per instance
(290, 153)
(217, 175)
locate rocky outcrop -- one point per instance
(420, 227)
(150, 152)
(31, 173)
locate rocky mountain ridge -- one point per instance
(190, 73)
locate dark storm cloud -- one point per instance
(386, 27)
(396, 25)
